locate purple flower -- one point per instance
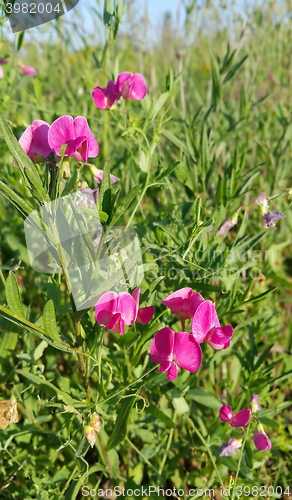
(227, 224)
(271, 218)
(105, 98)
(227, 449)
(240, 419)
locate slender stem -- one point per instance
(80, 355)
(127, 387)
(167, 447)
(140, 454)
(239, 461)
(208, 450)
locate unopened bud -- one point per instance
(89, 433)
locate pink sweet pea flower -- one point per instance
(183, 303)
(261, 439)
(144, 314)
(131, 86)
(81, 143)
(227, 449)
(105, 98)
(173, 350)
(115, 311)
(28, 70)
(206, 326)
(34, 141)
(240, 419)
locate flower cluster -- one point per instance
(174, 350)
(128, 86)
(40, 139)
(241, 419)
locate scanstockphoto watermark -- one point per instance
(240, 492)
(119, 491)
(209, 265)
(26, 14)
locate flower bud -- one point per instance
(94, 422)
(254, 402)
(227, 449)
(262, 201)
(227, 224)
(261, 439)
(89, 433)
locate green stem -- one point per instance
(140, 454)
(239, 461)
(167, 447)
(207, 449)
(127, 387)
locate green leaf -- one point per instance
(27, 325)
(167, 171)
(159, 103)
(24, 208)
(13, 295)
(216, 80)
(104, 199)
(50, 324)
(143, 162)
(243, 102)
(70, 183)
(174, 139)
(204, 398)
(120, 429)
(180, 405)
(20, 40)
(257, 298)
(27, 167)
(153, 410)
(267, 421)
(125, 203)
(234, 69)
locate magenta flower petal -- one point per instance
(183, 303)
(105, 98)
(261, 439)
(1, 72)
(106, 306)
(136, 296)
(123, 83)
(28, 70)
(99, 97)
(203, 321)
(165, 365)
(225, 413)
(176, 300)
(131, 86)
(172, 373)
(187, 352)
(162, 345)
(241, 418)
(76, 134)
(61, 132)
(113, 321)
(81, 128)
(127, 307)
(25, 140)
(220, 337)
(145, 315)
(34, 141)
(138, 88)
